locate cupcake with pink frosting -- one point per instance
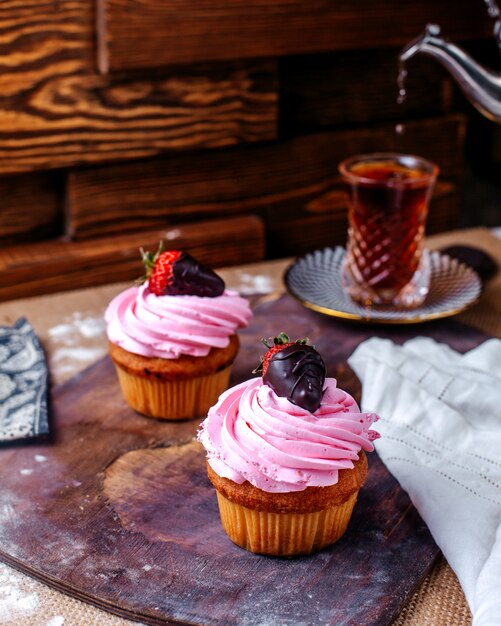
(286, 454)
(173, 339)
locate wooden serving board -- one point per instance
(117, 509)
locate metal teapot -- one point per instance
(481, 87)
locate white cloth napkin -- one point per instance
(441, 438)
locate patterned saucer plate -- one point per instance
(315, 280)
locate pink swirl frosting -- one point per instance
(168, 326)
(253, 434)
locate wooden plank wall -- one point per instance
(62, 265)
(284, 183)
(214, 30)
(120, 118)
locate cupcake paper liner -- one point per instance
(284, 534)
(173, 400)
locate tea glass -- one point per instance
(388, 197)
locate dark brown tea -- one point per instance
(390, 217)
(388, 205)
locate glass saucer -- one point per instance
(315, 280)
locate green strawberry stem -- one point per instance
(281, 339)
(149, 259)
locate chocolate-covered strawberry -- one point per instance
(177, 273)
(294, 370)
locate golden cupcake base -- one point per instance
(173, 399)
(289, 523)
(284, 534)
(174, 389)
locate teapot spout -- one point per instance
(481, 87)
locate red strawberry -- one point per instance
(294, 370)
(175, 273)
(278, 343)
(162, 272)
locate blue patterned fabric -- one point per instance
(23, 383)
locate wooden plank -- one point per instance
(43, 39)
(63, 265)
(31, 208)
(165, 33)
(77, 119)
(279, 181)
(354, 87)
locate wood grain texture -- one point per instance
(30, 208)
(43, 39)
(120, 512)
(358, 87)
(281, 182)
(69, 120)
(164, 33)
(59, 266)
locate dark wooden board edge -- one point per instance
(76, 593)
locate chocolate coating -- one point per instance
(298, 374)
(193, 278)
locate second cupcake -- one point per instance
(173, 339)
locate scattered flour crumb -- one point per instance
(66, 362)
(250, 284)
(89, 327)
(7, 511)
(26, 472)
(40, 458)
(56, 621)
(78, 353)
(75, 343)
(15, 603)
(147, 568)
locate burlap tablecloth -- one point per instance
(71, 328)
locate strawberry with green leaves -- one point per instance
(294, 370)
(177, 273)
